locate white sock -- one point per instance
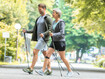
(49, 70)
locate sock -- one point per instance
(49, 70)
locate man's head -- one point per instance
(42, 8)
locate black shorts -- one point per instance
(58, 45)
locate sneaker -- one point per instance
(40, 72)
(48, 72)
(28, 70)
(69, 74)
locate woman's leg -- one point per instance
(62, 55)
(48, 65)
(48, 55)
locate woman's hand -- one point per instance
(51, 34)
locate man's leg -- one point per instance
(35, 57)
(40, 45)
(49, 52)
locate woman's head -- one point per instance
(56, 13)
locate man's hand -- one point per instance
(41, 35)
(24, 30)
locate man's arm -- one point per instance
(49, 24)
(25, 31)
(29, 31)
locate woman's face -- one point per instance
(54, 14)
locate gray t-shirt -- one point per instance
(40, 26)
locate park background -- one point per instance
(84, 31)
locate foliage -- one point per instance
(89, 14)
(6, 63)
(77, 38)
(100, 60)
(72, 34)
(11, 12)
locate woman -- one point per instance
(58, 42)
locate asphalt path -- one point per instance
(12, 73)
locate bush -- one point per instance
(100, 60)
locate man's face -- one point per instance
(41, 10)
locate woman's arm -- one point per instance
(62, 30)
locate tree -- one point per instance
(89, 14)
(80, 41)
(76, 38)
(11, 12)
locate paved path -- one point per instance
(9, 73)
(76, 66)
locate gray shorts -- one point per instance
(41, 45)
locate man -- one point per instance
(42, 24)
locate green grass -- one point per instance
(12, 63)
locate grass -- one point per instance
(97, 66)
(12, 63)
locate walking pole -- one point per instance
(58, 61)
(26, 49)
(55, 58)
(75, 70)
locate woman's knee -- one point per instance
(48, 55)
(49, 52)
(63, 58)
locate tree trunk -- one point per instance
(100, 51)
(77, 55)
(82, 52)
(81, 55)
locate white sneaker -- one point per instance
(69, 74)
(40, 72)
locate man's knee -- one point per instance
(44, 53)
(35, 52)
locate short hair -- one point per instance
(42, 5)
(58, 11)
